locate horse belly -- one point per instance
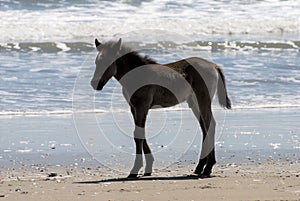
(166, 98)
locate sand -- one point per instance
(268, 181)
(42, 158)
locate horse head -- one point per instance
(105, 63)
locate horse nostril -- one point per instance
(94, 84)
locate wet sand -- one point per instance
(42, 157)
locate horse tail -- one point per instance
(224, 100)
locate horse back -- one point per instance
(193, 67)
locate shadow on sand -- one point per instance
(147, 178)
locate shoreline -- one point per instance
(69, 112)
(257, 134)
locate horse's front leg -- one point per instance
(139, 116)
(138, 163)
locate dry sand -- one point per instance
(267, 181)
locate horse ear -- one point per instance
(97, 43)
(118, 44)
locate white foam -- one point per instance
(74, 23)
(35, 49)
(290, 79)
(62, 46)
(17, 46)
(292, 44)
(266, 106)
(35, 113)
(9, 78)
(37, 69)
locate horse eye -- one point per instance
(99, 57)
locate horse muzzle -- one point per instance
(97, 85)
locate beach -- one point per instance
(62, 140)
(267, 181)
(254, 160)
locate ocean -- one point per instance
(46, 46)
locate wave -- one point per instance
(71, 47)
(271, 106)
(66, 20)
(46, 47)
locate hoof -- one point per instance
(132, 176)
(206, 173)
(198, 172)
(205, 176)
(147, 174)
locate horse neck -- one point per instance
(129, 62)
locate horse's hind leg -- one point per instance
(192, 102)
(202, 111)
(207, 155)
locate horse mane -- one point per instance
(129, 55)
(134, 58)
(126, 59)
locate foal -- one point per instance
(147, 84)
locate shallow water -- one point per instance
(106, 138)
